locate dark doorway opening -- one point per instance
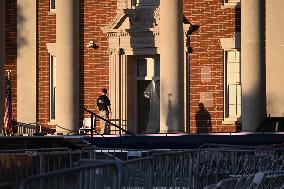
(143, 106)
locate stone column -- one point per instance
(2, 61)
(171, 67)
(253, 64)
(26, 61)
(274, 57)
(67, 57)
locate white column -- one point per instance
(171, 67)
(26, 61)
(274, 57)
(2, 60)
(67, 57)
(253, 64)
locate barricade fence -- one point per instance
(120, 153)
(104, 175)
(194, 169)
(15, 165)
(173, 169)
(161, 169)
(137, 173)
(218, 162)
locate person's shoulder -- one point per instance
(101, 97)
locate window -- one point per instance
(232, 85)
(231, 3)
(52, 5)
(52, 93)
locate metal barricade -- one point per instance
(173, 169)
(137, 173)
(170, 169)
(218, 162)
(15, 165)
(112, 153)
(104, 175)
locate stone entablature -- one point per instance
(137, 29)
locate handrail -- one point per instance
(109, 122)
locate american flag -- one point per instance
(8, 119)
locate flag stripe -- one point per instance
(8, 107)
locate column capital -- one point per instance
(111, 51)
(121, 51)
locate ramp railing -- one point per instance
(94, 118)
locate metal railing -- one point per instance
(27, 128)
(15, 165)
(94, 117)
(21, 129)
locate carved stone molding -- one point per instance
(144, 18)
(138, 30)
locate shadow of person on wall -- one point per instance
(203, 119)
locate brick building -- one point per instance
(62, 52)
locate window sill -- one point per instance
(231, 5)
(52, 12)
(229, 121)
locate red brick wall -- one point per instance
(94, 63)
(214, 23)
(11, 48)
(46, 34)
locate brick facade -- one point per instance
(46, 34)
(213, 23)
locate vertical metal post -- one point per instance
(92, 126)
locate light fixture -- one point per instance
(92, 45)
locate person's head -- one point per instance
(104, 90)
(201, 106)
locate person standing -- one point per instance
(103, 104)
